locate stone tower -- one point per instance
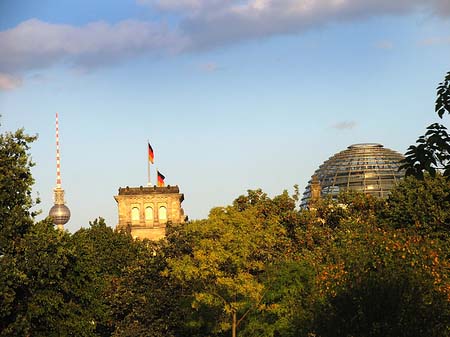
(316, 191)
(59, 213)
(145, 211)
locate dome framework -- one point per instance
(368, 167)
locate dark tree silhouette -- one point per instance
(431, 153)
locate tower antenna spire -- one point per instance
(58, 158)
(59, 213)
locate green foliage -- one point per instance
(281, 207)
(443, 97)
(146, 303)
(422, 205)
(286, 309)
(15, 188)
(380, 282)
(43, 287)
(106, 254)
(107, 250)
(374, 279)
(349, 204)
(228, 252)
(432, 152)
(385, 303)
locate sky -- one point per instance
(232, 94)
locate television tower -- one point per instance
(59, 213)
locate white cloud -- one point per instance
(200, 24)
(442, 7)
(296, 7)
(209, 67)
(433, 41)
(216, 22)
(8, 82)
(385, 44)
(34, 44)
(173, 5)
(187, 6)
(231, 21)
(345, 125)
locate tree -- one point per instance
(45, 291)
(148, 303)
(432, 150)
(108, 250)
(106, 254)
(420, 205)
(287, 307)
(15, 188)
(44, 288)
(373, 278)
(378, 282)
(228, 253)
(282, 206)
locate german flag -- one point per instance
(151, 154)
(160, 179)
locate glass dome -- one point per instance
(368, 168)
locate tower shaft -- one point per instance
(59, 213)
(58, 157)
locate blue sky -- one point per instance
(233, 95)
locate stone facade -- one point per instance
(145, 211)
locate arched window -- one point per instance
(135, 214)
(149, 214)
(162, 214)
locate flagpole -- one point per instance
(148, 166)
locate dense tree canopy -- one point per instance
(15, 187)
(422, 205)
(230, 250)
(382, 282)
(45, 292)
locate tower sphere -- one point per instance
(368, 167)
(60, 214)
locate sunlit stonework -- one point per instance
(145, 211)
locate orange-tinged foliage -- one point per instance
(357, 251)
